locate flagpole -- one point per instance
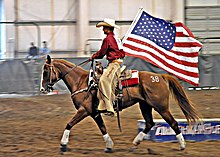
(132, 24)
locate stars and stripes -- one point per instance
(170, 46)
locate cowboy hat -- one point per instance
(108, 22)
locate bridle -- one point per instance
(52, 70)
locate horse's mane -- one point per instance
(68, 64)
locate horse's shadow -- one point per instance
(116, 150)
(90, 150)
(63, 150)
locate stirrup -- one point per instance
(109, 113)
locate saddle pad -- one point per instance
(134, 80)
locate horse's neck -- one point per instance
(74, 78)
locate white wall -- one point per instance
(10, 29)
(46, 9)
(59, 37)
(2, 32)
(73, 37)
(127, 9)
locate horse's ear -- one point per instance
(48, 61)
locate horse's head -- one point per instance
(49, 77)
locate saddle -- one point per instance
(128, 77)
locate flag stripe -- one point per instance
(186, 40)
(185, 51)
(175, 68)
(185, 44)
(179, 52)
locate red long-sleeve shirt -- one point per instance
(110, 49)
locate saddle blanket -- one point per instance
(134, 80)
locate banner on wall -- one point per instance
(162, 132)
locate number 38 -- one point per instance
(155, 78)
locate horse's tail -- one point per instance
(183, 101)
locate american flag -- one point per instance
(170, 46)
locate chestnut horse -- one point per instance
(152, 92)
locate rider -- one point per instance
(112, 49)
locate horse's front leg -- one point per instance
(99, 121)
(80, 115)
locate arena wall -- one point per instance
(23, 77)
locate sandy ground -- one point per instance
(33, 126)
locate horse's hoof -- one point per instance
(63, 148)
(132, 149)
(108, 150)
(183, 148)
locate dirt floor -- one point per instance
(33, 126)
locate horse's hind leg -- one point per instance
(146, 111)
(99, 121)
(167, 116)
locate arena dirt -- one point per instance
(33, 127)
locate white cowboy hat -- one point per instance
(108, 22)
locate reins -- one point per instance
(80, 64)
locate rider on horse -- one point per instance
(112, 49)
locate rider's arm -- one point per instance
(103, 50)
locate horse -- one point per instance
(152, 92)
